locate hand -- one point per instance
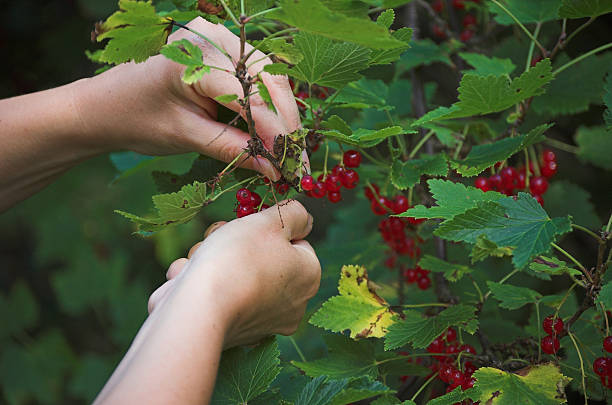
(263, 273)
(147, 108)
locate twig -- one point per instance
(581, 57)
(586, 401)
(521, 26)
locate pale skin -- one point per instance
(249, 279)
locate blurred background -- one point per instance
(74, 279)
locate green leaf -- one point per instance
(452, 272)
(351, 8)
(358, 308)
(484, 65)
(338, 124)
(565, 198)
(584, 8)
(605, 295)
(512, 297)
(365, 93)
(18, 310)
(365, 138)
(287, 52)
(326, 63)
(188, 54)
(520, 223)
(245, 374)
(451, 398)
(452, 199)
(552, 266)
(484, 156)
(322, 391)
(538, 385)
(202, 169)
(607, 99)
(386, 18)
(359, 389)
(573, 90)
(480, 95)
(226, 98)
(313, 17)
(386, 56)
(525, 11)
(424, 52)
(484, 248)
(594, 145)
(406, 174)
(264, 93)
(391, 400)
(420, 331)
(347, 358)
(135, 32)
(173, 208)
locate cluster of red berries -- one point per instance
(341, 175)
(249, 202)
(509, 179)
(418, 276)
(602, 366)
(552, 326)
(469, 21)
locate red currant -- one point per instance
(244, 210)
(334, 196)
(400, 204)
(451, 335)
(368, 191)
(602, 365)
(281, 188)
(539, 199)
(436, 346)
(482, 183)
(411, 276)
(307, 183)
(549, 169)
(548, 156)
(446, 372)
(469, 368)
(390, 262)
(456, 379)
(552, 326)
(438, 32)
(319, 190)
(495, 182)
(424, 283)
(333, 183)
(538, 185)
(255, 199)
(351, 158)
(349, 178)
(607, 344)
(467, 348)
(509, 175)
(458, 4)
(437, 5)
(243, 196)
(378, 205)
(466, 35)
(469, 21)
(468, 383)
(520, 180)
(550, 344)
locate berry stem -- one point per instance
(605, 316)
(297, 348)
(420, 144)
(581, 57)
(534, 161)
(573, 259)
(586, 402)
(521, 26)
(537, 308)
(532, 47)
(562, 145)
(588, 231)
(372, 158)
(416, 394)
(230, 13)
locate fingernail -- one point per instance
(213, 227)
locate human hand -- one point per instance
(262, 273)
(148, 109)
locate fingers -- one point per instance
(175, 268)
(158, 295)
(311, 266)
(296, 221)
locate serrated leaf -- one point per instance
(226, 98)
(406, 174)
(479, 95)
(386, 18)
(484, 156)
(484, 65)
(386, 56)
(537, 385)
(264, 93)
(360, 389)
(202, 169)
(452, 272)
(520, 223)
(553, 266)
(188, 54)
(420, 331)
(325, 62)
(424, 52)
(607, 99)
(605, 296)
(512, 297)
(313, 17)
(574, 90)
(173, 208)
(245, 374)
(391, 400)
(451, 398)
(594, 146)
(351, 8)
(525, 11)
(584, 8)
(452, 199)
(324, 391)
(135, 32)
(565, 198)
(365, 93)
(283, 50)
(358, 308)
(365, 138)
(484, 248)
(338, 124)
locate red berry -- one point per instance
(349, 178)
(265, 207)
(467, 348)
(495, 182)
(468, 383)
(436, 346)
(424, 283)
(456, 379)
(451, 335)
(338, 170)
(334, 196)
(469, 21)
(452, 348)
(550, 344)
(307, 183)
(607, 344)
(539, 199)
(482, 183)
(319, 190)
(549, 156)
(446, 372)
(520, 180)
(552, 326)
(606, 380)
(400, 204)
(378, 205)
(281, 188)
(535, 60)
(437, 5)
(466, 35)
(333, 183)
(438, 32)
(351, 158)
(255, 199)
(368, 191)
(469, 368)
(244, 210)
(390, 262)
(243, 196)
(509, 175)
(538, 185)
(458, 4)
(302, 95)
(549, 169)
(601, 366)
(411, 276)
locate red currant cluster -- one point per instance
(469, 21)
(418, 276)
(602, 366)
(445, 365)
(249, 202)
(341, 175)
(509, 179)
(552, 327)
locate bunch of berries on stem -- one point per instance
(330, 184)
